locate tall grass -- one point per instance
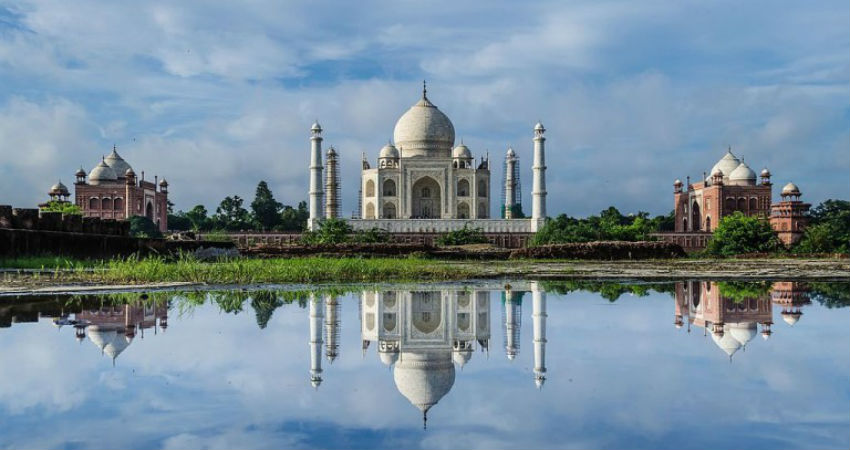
(245, 271)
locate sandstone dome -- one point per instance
(424, 131)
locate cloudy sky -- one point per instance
(216, 97)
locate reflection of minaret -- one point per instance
(512, 321)
(315, 341)
(538, 314)
(331, 328)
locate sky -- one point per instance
(217, 96)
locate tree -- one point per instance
(198, 217)
(294, 219)
(737, 234)
(142, 227)
(66, 208)
(829, 229)
(610, 224)
(462, 237)
(264, 304)
(179, 222)
(331, 231)
(230, 214)
(266, 209)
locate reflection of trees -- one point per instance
(740, 291)
(831, 295)
(230, 301)
(264, 304)
(610, 291)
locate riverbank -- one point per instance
(22, 275)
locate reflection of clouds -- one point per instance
(215, 380)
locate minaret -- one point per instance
(331, 328)
(538, 192)
(510, 183)
(538, 314)
(315, 176)
(315, 340)
(512, 322)
(332, 186)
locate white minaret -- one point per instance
(332, 186)
(510, 183)
(538, 192)
(316, 315)
(538, 314)
(316, 193)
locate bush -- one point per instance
(829, 231)
(372, 236)
(609, 225)
(142, 227)
(737, 234)
(331, 231)
(462, 237)
(62, 207)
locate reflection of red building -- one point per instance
(732, 324)
(112, 328)
(791, 296)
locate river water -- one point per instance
(692, 364)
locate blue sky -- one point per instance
(217, 96)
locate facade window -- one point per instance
(389, 188)
(463, 188)
(94, 203)
(426, 193)
(482, 188)
(370, 188)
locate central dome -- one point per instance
(424, 131)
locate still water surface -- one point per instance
(588, 365)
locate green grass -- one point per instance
(244, 271)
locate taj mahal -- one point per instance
(423, 183)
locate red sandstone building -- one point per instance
(733, 186)
(113, 192)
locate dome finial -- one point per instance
(424, 90)
(425, 419)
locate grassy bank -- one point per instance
(242, 271)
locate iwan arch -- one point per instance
(424, 183)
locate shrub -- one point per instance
(372, 236)
(142, 227)
(331, 231)
(463, 236)
(62, 207)
(737, 234)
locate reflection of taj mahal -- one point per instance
(423, 335)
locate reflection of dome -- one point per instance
(424, 131)
(791, 317)
(727, 163)
(117, 163)
(108, 339)
(726, 342)
(743, 332)
(424, 377)
(102, 172)
(743, 175)
(461, 357)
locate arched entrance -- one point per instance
(149, 211)
(696, 219)
(426, 199)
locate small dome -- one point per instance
(678, 182)
(790, 189)
(331, 151)
(539, 127)
(388, 358)
(765, 173)
(743, 174)
(117, 163)
(129, 173)
(461, 357)
(316, 128)
(59, 189)
(727, 163)
(791, 317)
(80, 173)
(461, 151)
(163, 183)
(424, 131)
(102, 172)
(511, 153)
(389, 151)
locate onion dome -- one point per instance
(743, 175)
(511, 153)
(59, 189)
(331, 151)
(80, 173)
(790, 189)
(765, 173)
(791, 317)
(461, 357)
(117, 163)
(461, 151)
(539, 127)
(388, 355)
(727, 163)
(389, 151)
(424, 131)
(424, 377)
(102, 172)
(316, 128)
(163, 183)
(726, 342)
(677, 183)
(130, 173)
(743, 332)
